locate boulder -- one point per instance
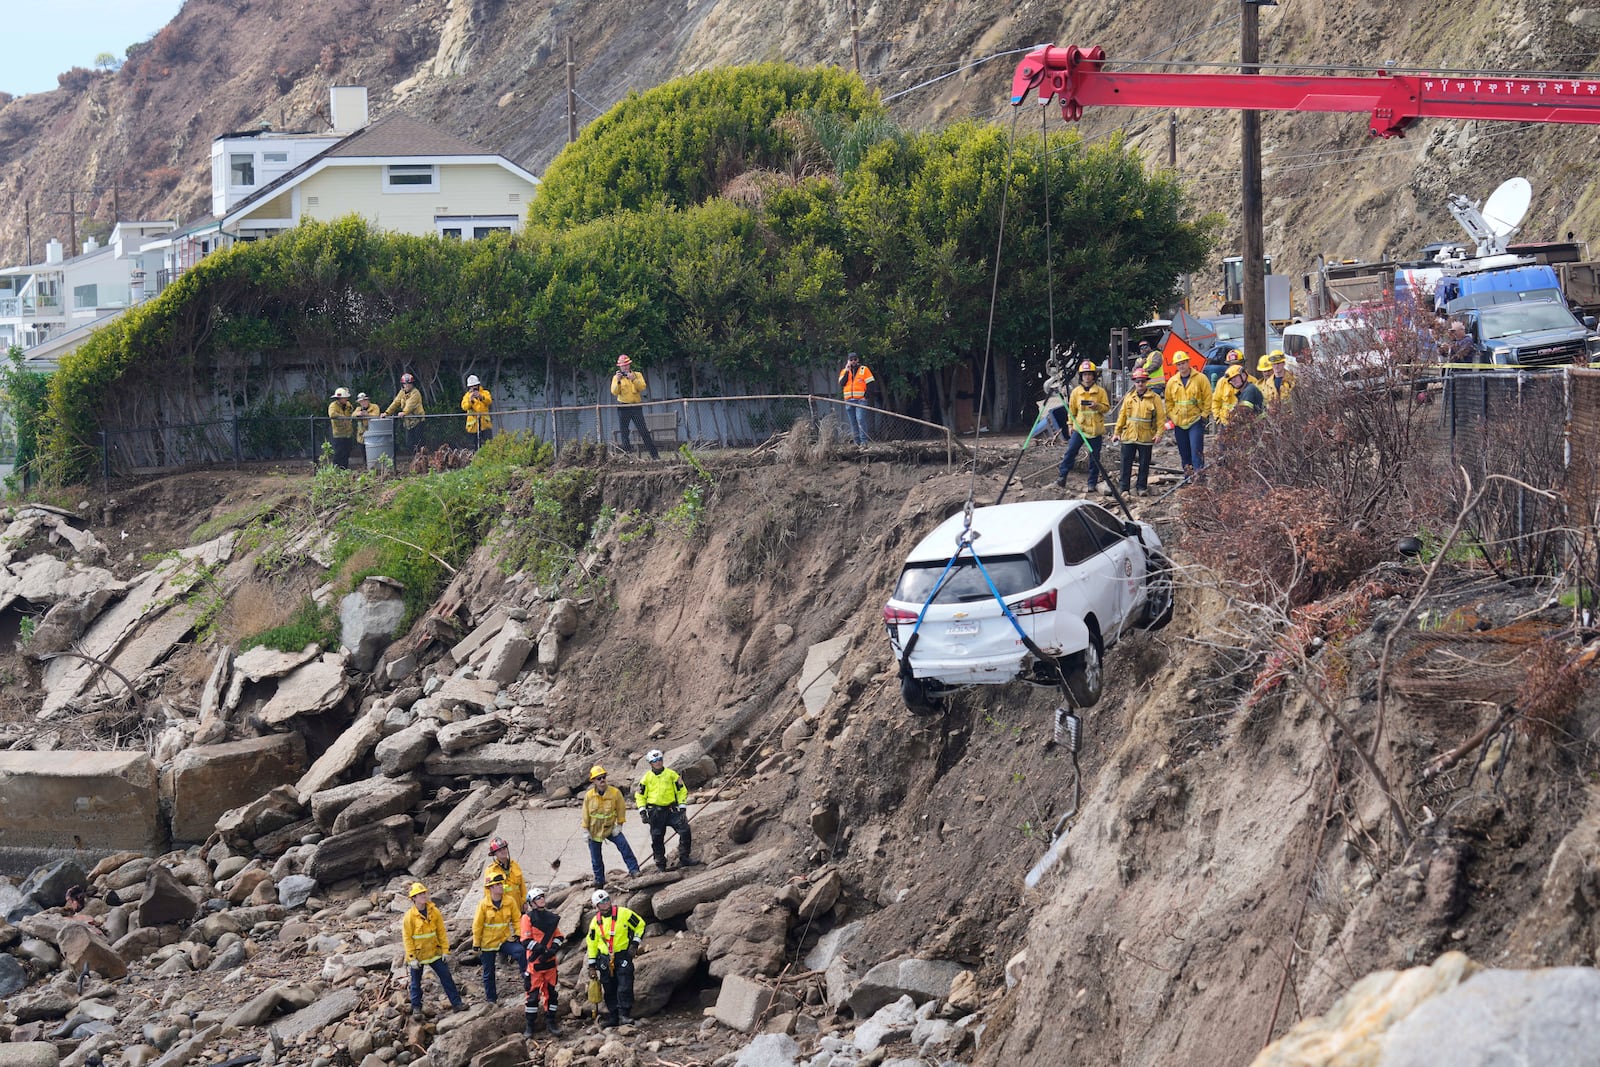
(295, 890)
(368, 619)
(817, 676)
(662, 970)
(13, 976)
(892, 979)
(49, 884)
(716, 883)
(1549, 1017)
(549, 651)
(742, 1002)
(383, 801)
(205, 781)
(82, 946)
(823, 896)
(473, 694)
(328, 804)
(350, 747)
(769, 1050)
(507, 654)
(277, 808)
(892, 1022)
(29, 1054)
(45, 1004)
(470, 733)
(311, 689)
(484, 1027)
(747, 935)
(66, 621)
(525, 758)
(384, 845)
(563, 618)
(165, 900)
(400, 752)
(325, 1011)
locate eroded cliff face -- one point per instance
(496, 72)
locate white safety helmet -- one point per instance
(653, 756)
(601, 898)
(535, 894)
(472, 379)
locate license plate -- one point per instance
(961, 629)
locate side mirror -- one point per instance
(1589, 321)
(1130, 529)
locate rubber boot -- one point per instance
(528, 1023)
(553, 1024)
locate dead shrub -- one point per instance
(254, 608)
(795, 448)
(829, 444)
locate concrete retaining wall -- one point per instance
(80, 800)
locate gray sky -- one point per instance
(46, 37)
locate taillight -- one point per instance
(1045, 601)
(894, 616)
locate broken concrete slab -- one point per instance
(326, 1011)
(526, 759)
(922, 980)
(481, 634)
(328, 804)
(507, 654)
(817, 677)
(66, 622)
(204, 782)
(350, 748)
(44, 579)
(311, 689)
(444, 835)
(384, 845)
(715, 883)
(474, 695)
(261, 662)
(399, 753)
(470, 733)
(383, 799)
(92, 800)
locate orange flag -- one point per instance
(1177, 348)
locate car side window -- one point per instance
(1103, 525)
(1044, 558)
(1078, 543)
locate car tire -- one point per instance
(1160, 592)
(918, 698)
(1086, 671)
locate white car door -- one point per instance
(1091, 586)
(1124, 569)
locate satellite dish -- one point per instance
(1506, 206)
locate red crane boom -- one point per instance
(1078, 76)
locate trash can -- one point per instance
(380, 441)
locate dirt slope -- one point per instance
(496, 72)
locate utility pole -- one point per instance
(72, 222)
(855, 35)
(572, 98)
(1172, 141)
(1254, 288)
(27, 228)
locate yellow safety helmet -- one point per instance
(1277, 357)
(596, 771)
(1264, 363)
(494, 878)
(417, 887)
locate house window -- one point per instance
(85, 296)
(480, 232)
(242, 170)
(451, 232)
(411, 178)
(274, 157)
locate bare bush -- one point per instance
(255, 607)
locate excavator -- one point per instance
(1082, 78)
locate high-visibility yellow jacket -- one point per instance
(362, 414)
(1275, 389)
(1088, 408)
(1140, 419)
(628, 388)
(477, 410)
(660, 790)
(424, 934)
(610, 934)
(1156, 365)
(855, 385)
(408, 401)
(515, 886)
(1224, 398)
(339, 412)
(494, 925)
(1188, 402)
(603, 813)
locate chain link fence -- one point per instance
(700, 423)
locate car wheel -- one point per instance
(1159, 593)
(919, 699)
(1085, 671)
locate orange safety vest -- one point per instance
(855, 385)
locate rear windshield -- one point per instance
(1011, 574)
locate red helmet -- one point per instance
(406, 379)
(1140, 374)
(497, 845)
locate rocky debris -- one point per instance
(717, 882)
(29, 1054)
(269, 813)
(483, 1027)
(82, 947)
(47, 886)
(351, 747)
(921, 980)
(445, 834)
(531, 758)
(261, 663)
(662, 970)
(380, 799)
(742, 1003)
(295, 890)
(747, 933)
(13, 976)
(310, 689)
(470, 733)
(66, 621)
(822, 896)
(205, 781)
(368, 619)
(400, 752)
(507, 654)
(384, 845)
(165, 899)
(322, 1012)
(817, 677)
(487, 628)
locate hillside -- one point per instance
(496, 72)
(1235, 867)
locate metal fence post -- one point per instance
(105, 456)
(311, 424)
(238, 451)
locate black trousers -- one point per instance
(1129, 451)
(634, 414)
(660, 819)
(341, 451)
(616, 981)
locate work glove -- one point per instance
(476, 950)
(416, 965)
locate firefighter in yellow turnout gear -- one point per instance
(1139, 423)
(426, 943)
(495, 933)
